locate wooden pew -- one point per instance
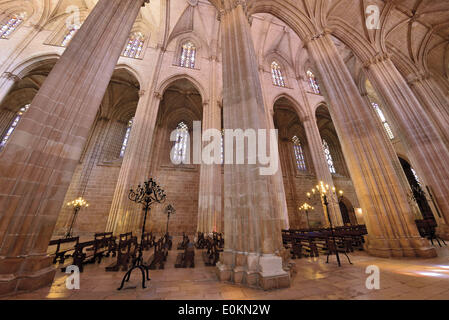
(168, 242)
(126, 252)
(148, 241)
(92, 251)
(62, 254)
(183, 244)
(158, 258)
(201, 242)
(212, 255)
(186, 259)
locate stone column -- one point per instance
(209, 202)
(253, 210)
(429, 154)
(278, 179)
(125, 216)
(210, 190)
(37, 164)
(321, 167)
(398, 167)
(433, 100)
(388, 216)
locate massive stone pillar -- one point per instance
(278, 179)
(433, 100)
(209, 202)
(321, 167)
(210, 213)
(253, 209)
(388, 216)
(125, 216)
(37, 164)
(428, 152)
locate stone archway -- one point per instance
(181, 102)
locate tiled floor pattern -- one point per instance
(314, 279)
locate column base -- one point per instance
(399, 248)
(442, 231)
(25, 274)
(264, 272)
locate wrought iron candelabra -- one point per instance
(77, 205)
(147, 195)
(169, 210)
(306, 207)
(323, 192)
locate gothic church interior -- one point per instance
(99, 96)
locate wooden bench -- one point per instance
(126, 252)
(201, 242)
(148, 241)
(158, 258)
(212, 255)
(62, 254)
(183, 244)
(91, 251)
(168, 242)
(186, 259)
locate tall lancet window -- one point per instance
(134, 46)
(188, 55)
(313, 83)
(328, 155)
(182, 138)
(13, 125)
(276, 74)
(69, 35)
(384, 121)
(126, 139)
(415, 175)
(10, 25)
(299, 154)
(222, 146)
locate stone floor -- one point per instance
(314, 279)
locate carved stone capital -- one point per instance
(11, 76)
(378, 58)
(230, 5)
(307, 118)
(319, 35)
(158, 95)
(417, 77)
(38, 27)
(213, 58)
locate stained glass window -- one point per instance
(182, 137)
(188, 55)
(384, 121)
(276, 73)
(126, 139)
(299, 154)
(328, 155)
(11, 25)
(134, 46)
(69, 35)
(313, 83)
(13, 125)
